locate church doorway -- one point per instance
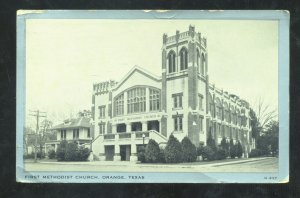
(153, 125)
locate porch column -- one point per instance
(117, 156)
(102, 156)
(55, 147)
(128, 127)
(133, 155)
(45, 149)
(114, 128)
(144, 126)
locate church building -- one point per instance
(181, 101)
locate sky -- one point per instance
(65, 57)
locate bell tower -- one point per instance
(184, 62)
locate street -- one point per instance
(237, 165)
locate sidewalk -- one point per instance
(134, 164)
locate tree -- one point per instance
(71, 152)
(61, 150)
(272, 131)
(173, 150)
(210, 141)
(239, 149)
(225, 146)
(85, 113)
(189, 150)
(264, 114)
(152, 153)
(45, 133)
(28, 138)
(255, 125)
(232, 150)
(268, 141)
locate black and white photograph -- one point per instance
(155, 96)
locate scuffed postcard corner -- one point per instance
(25, 12)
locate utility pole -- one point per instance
(37, 114)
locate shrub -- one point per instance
(189, 152)
(220, 154)
(61, 150)
(40, 155)
(162, 156)
(29, 156)
(208, 153)
(200, 150)
(51, 154)
(141, 155)
(232, 149)
(152, 153)
(255, 153)
(173, 150)
(211, 142)
(83, 154)
(225, 146)
(71, 152)
(239, 150)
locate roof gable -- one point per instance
(138, 70)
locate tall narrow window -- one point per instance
(200, 97)
(88, 133)
(119, 105)
(75, 133)
(154, 99)
(171, 60)
(177, 100)
(101, 128)
(177, 122)
(136, 100)
(63, 134)
(219, 130)
(198, 60)
(102, 111)
(201, 124)
(202, 65)
(183, 59)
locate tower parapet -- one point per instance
(183, 36)
(104, 87)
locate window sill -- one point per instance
(177, 108)
(177, 132)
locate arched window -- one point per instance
(119, 105)
(171, 59)
(211, 105)
(219, 109)
(202, 64)
(183, 59)
(136, 100)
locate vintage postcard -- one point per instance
(152, 96)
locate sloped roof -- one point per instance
(82, 122)
(140, 70)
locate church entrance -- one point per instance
(109, 153)
(136, 126)
(153, 125)
(125, 151)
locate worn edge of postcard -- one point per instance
(154, 177)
